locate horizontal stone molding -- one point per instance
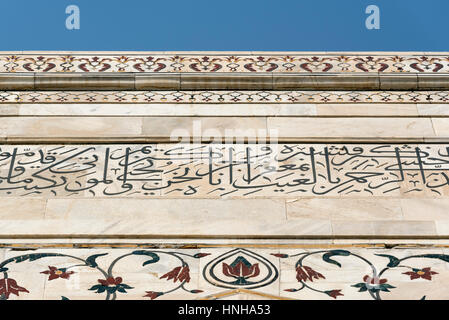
(310, 229)
(226, 110)
(223, 81)
(220, 129)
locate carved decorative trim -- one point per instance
(208, 63)
(224, 96)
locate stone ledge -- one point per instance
(221, 129)
(222, 81)
(226, 110)
(231, 218)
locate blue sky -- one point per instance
(233, 25)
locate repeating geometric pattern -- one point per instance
(224, 96)
(296, 63)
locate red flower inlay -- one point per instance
(55, 273)
(8, 286)
(111, 281)
(241, 270)
(304, 273)
(178, 273)
(152, 294)
(334, 293)
(424, 273)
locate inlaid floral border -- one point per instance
(195, 274)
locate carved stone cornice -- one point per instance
(223, 81)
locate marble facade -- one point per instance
(224, 175)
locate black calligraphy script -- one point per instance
(226, 170)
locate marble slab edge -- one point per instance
(223, 81)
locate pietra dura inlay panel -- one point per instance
(229, 170)
(235, 272)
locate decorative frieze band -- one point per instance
(229, 63)
(221, 171)
(222, 273)
(223, 96)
